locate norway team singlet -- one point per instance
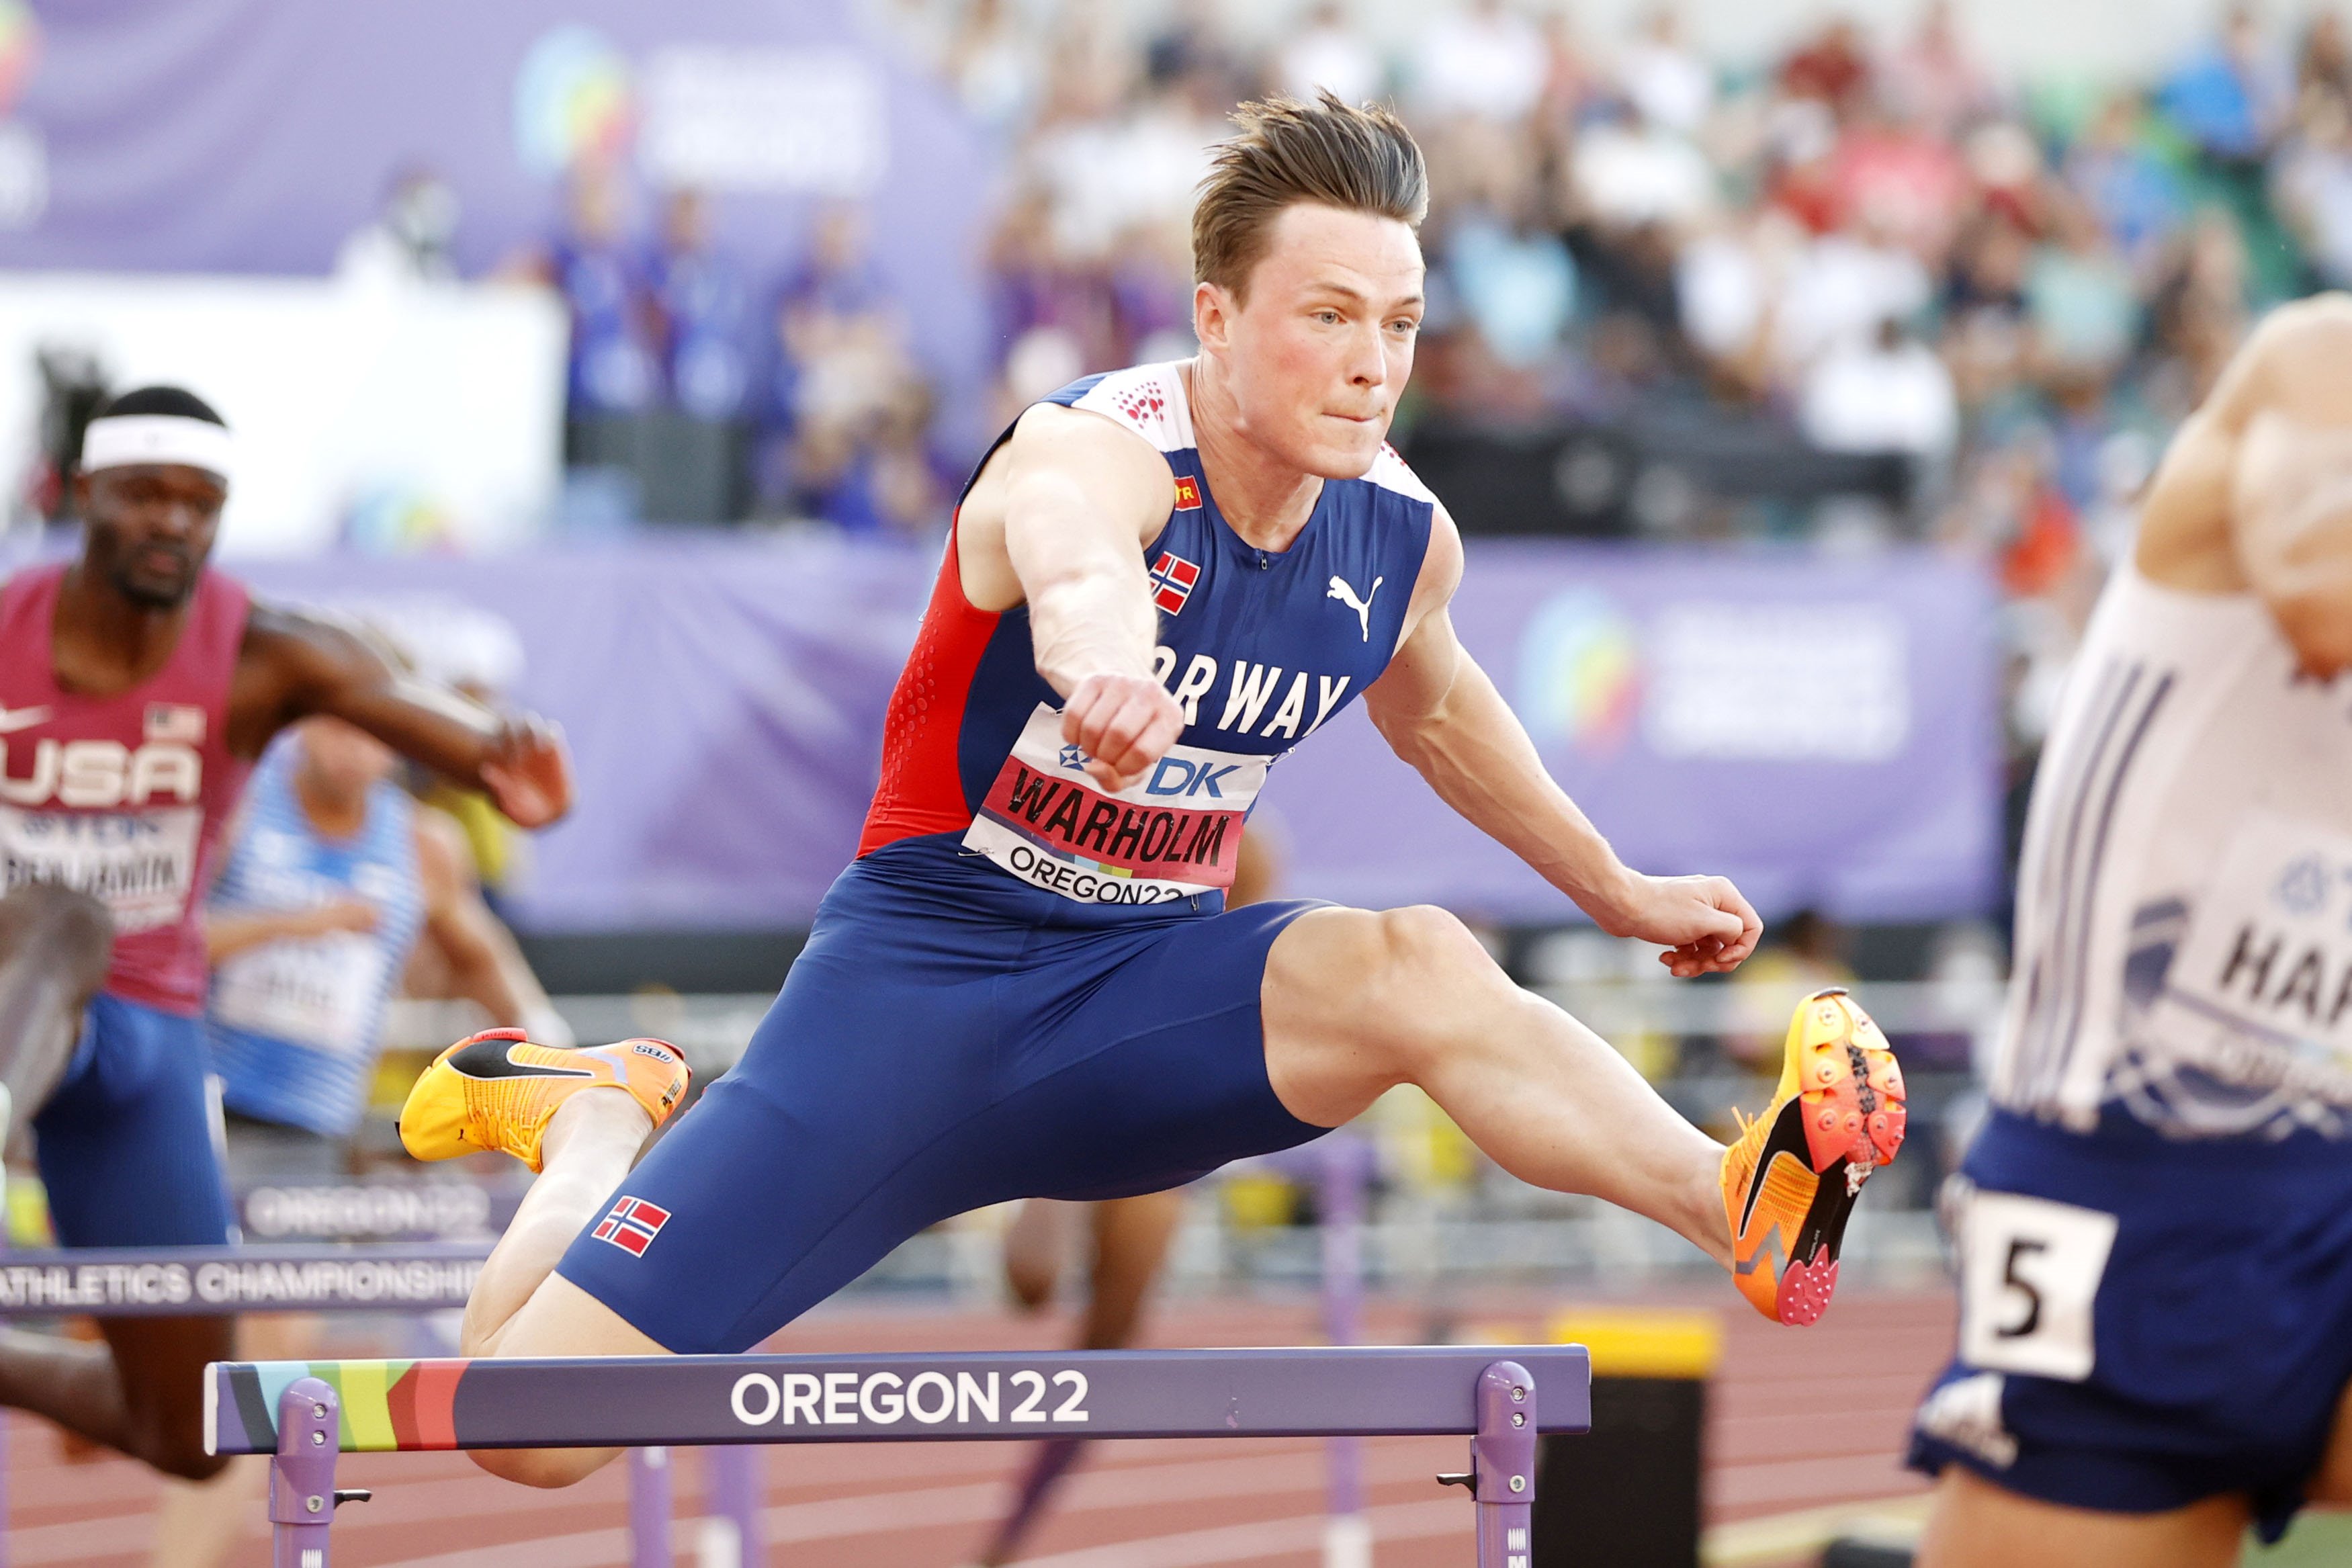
(122, 796)
(1260, 647)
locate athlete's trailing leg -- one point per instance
(579, 1119)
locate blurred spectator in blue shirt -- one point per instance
(2229, 96)
(612, 369)
(701, 306)
(2128, 188)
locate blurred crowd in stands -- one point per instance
(1869, 245)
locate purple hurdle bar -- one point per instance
(645, 1401)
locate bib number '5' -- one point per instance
(2029, 1271)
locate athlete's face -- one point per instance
(1318, 351)
(150, 527)
(342, 761)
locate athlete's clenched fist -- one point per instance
(529, 771)
(1124, 723)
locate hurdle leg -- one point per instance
(302, 1474)
(1347, 1533)
(649, 1508)
(1503, 1460)
(731, 1530)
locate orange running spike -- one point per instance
(1791, 1180)
(497, 1090)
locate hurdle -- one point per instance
(305, 1413)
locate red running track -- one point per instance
(1799, 1419)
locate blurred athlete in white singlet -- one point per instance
(2156, 1327)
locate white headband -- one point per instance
(121, 439)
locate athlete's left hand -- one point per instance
(529, 771)
(1704, 925)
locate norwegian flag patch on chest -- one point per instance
(631, 1225)
(1172, 578)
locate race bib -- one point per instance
(318, 992)
(2265, 970)
(142, 865)
(1176, 833)
(2030, 1272)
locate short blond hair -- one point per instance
(1329, 153)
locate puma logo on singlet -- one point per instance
(1363, 606)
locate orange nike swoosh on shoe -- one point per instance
(497, 1090)
(1791, 1180)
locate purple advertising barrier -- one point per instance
(1825, 732)
(723, 700)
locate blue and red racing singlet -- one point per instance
(1260, 647)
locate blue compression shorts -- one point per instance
(949, 1038)
(2218, 1334)
(126, 1139)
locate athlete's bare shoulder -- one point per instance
(2255, 494)
(1082, 464)
(2290, 372)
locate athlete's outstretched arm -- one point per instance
(294, 666)
(1439, 712)
(1081, 497)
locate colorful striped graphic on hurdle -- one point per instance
(387, 1405)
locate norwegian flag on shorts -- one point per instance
(1172, 578)
(632, 1225)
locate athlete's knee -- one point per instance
(1424, 942)
(546, 1468)
(1427, 965)
(59, 926)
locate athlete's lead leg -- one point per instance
(1356, 1002)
